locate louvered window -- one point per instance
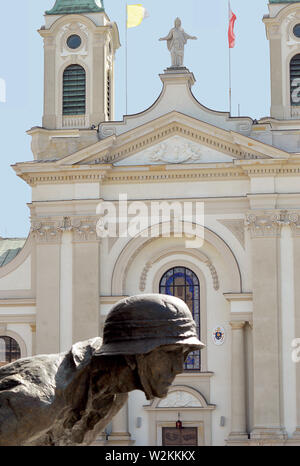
(108, 96)
(74, 90)
(295, 80)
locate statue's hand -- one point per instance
(194, 38)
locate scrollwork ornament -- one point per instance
(46, 232)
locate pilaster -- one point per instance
(238, 384)
(295, 225)
(120, 435)
(86, 280)
(265, 229)
(47, 235)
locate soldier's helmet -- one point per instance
(139, 324)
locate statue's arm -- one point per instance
(187, 36)
(168, 37)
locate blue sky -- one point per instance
(21, 66)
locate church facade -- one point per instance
(179, 199)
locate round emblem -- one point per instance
(218, 336)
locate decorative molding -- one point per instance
(50, 231)
(85, 229)
(237, 325)
(135, 245)
(33, 179)
(17, 302)
(264, 224)
(33, 328)
(167, 253)
(175, 128)
(46, 231)
(175, 151)
(237, 228)
(174, 175)
(269, 223)
(238, 296)
(17, 318)
(180, 399)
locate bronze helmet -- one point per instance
(139, 324)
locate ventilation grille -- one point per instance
(74, 90)
(295, 80)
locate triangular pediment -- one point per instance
(173, 139)
(175, 150)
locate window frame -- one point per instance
(164, 288)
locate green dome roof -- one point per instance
(68, 7)
(284, 1)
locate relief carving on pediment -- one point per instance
(175, 151)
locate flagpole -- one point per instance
(126, 58)
(230, 104)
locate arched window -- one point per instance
(74, 90)
(295, 80)
(9, 350)
(184, 284)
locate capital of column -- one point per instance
(263, 224)
(269, 223)
(46, 230)
(238, 325)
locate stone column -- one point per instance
(47, 238)
(120, 435)
(86, 279)
(295, 225)
(238, 383)
(265, 228)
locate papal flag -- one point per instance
(135, 15)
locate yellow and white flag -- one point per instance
(135, 15)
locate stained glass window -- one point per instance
(74, 90)
(184, 284)
(9, 350)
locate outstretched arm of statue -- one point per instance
(168, 37)
(187, 36)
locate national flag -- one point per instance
(135, 15)
(231, 35)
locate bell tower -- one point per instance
(283, 32)
(80, 43)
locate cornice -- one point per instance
(170, 174)
(34, 176)
(17, 318)
(107, 174)
(112, 147)
(17, 302)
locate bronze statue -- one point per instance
(69, 398)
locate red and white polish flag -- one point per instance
(231, 35)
